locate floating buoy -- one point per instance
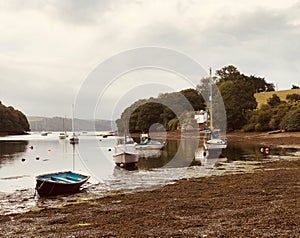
(23, 159)
(37, 158)
(109, 149)
(267, 150)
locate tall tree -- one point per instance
(229, 72)
(238, 99)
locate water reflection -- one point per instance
(11, 150)
(252, 152)
(185, 158)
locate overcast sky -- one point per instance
(49, 48)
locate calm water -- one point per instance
(24, 157)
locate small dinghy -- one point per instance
(146, 143)
(59, 183)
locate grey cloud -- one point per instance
(71, 11)
(82, 12)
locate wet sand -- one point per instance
(262, 138)
(291, 139)
(260, 204)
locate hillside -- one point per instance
(263, 97)
(12, 121)
(61, 124)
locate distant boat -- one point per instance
(59, 183)
(146, 143)
(63, 135)
(125, 154)
(107, 134)
(44, 133)
(74, 139)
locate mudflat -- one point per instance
(262, 138)
(260, 204)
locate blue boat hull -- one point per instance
(59, 183)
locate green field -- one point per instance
(262, 98)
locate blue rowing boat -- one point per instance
(59, 183)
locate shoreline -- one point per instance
(218, 206)
(259, 138)
(260, 203)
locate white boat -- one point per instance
(63, 135)
(214, 140)
(215, 144)
(146, 143)
(125, 154)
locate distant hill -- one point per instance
(12, 121)
(61, 124)
(262, 98)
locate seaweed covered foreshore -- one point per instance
(260, 204)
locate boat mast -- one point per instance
(210, 100)
(73, 119)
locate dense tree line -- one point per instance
(12, 121)
(236, 90)
(276, 115)
(164, 112)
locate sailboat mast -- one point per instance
(73, 119)
(210, 100)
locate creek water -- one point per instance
(24, 157)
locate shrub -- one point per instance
(291, 121)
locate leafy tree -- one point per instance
(229, 73)
(291, 122)
(173, 124)
(293, 97)
(196, 100)
(238, 100)
(12, 121)
(274, 100)
(148, 114)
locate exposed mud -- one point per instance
(260, 204)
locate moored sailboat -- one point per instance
(74, 139)
(214, 141)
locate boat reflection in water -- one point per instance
(208, 158)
